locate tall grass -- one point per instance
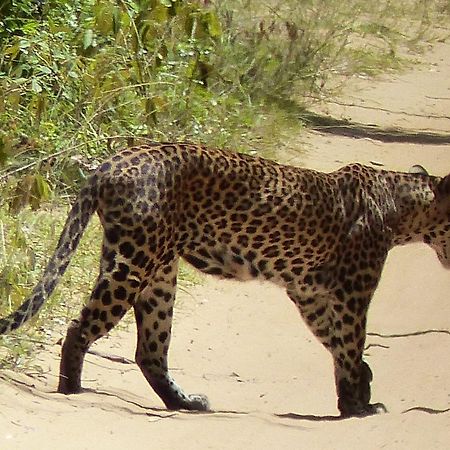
(26, 240)
(84, 76)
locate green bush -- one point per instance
(80, 77)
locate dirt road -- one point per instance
(269, 382)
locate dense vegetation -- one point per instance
(80, 78)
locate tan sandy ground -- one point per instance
(270, 383)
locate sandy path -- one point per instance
(418, 99)
(270, 383)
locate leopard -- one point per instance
(322, 237)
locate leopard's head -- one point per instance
(437, 235)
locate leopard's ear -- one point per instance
(417, 168)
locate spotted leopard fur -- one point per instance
(322, 237)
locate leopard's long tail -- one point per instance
(82, 210)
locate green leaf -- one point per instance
(14, 100)
(103, 19)
(116, 20)
(88, 39)
(13, 50)
(213, 24)
(44, 69)
(5, 148)
(160, 14)
(19, 81)
(36, 86)
(23, 44)
(41, 188)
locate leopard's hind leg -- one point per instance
(115, 292)
(153, 312)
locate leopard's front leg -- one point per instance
(352, 375)
(351, 284)
(338, 320)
